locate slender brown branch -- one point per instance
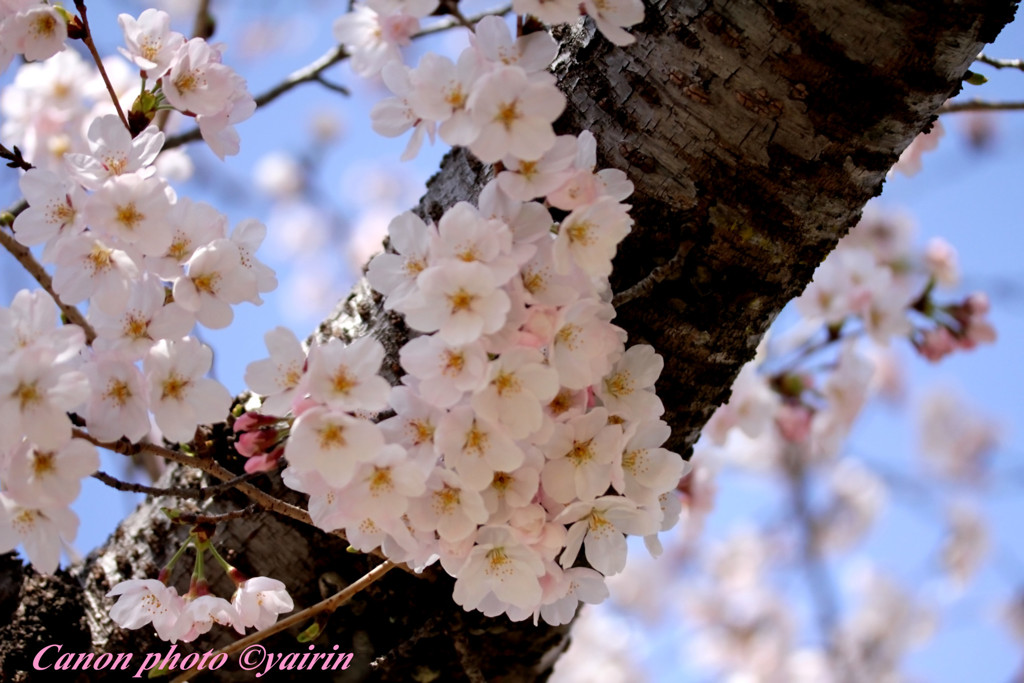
(258, 496)
(312, 71)
(193, 518)
(189, 492)
(87, 39)
(1002, 63)
(22, 254)
(979, 105)
(324, 606)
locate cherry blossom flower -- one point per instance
(54, 210)
(134, 210)
(259, 600)
(114, 152)
(449, 507)
(612, 15)
(197, 81)
(500, 565)
(144, 601)
(460, 301)
(514, 114)
(150, 42)
(628, 390)
(475, 447)
(394, 275)
(39, 529)
(519, 384)
(395, 115)
(373, 32)
(277, 378)
(199, 614)
(579, 455)
(332, 444)
(119, 404)
(38, 33)
(345, 377)
(180, 397)
(36, 393)
(599, 526)
(143, 320)
(590, 235)
(216, 279)
(532, 52)
(37, 477)
(440, 92)
(381, 489)
(446, 372)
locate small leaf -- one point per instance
(310, 634)
(975, 78)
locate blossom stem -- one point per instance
(87, 39)
(323, 607)
(22, 254)
(174, 559)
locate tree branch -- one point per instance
(87, 39)
(979, 105)
(193, 493)
(1002, 63)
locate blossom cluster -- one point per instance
(256, 602)
(374, 31)
(149, 265)
(524, 430)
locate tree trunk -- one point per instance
(755, 132)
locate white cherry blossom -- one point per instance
(277, 378)
(180, 397)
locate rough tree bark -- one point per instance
(754, 131)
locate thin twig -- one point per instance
(979, 105)
(195, 518)
(22, 254)
(1002, 63)
(312, 71)
(87, 39)
(324, 606)
(258, 496)
(188, 492)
